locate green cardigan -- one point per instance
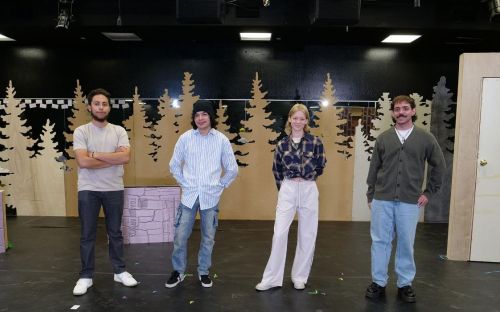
(397, 170)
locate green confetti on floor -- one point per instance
(315, 292)
(215, 275)
(10, 245)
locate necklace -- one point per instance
(404, 134)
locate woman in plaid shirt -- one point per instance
(299, 160)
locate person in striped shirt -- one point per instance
(200, 157)
(299, 160)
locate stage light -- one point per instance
(65, 10)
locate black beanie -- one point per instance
(204, 107)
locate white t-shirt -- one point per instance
(94, 139)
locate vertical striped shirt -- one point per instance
(197, 165)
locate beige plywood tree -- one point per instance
(48, 177)
(79, 115)
(168, 130)
(380, 120)
(255, 183)
(327, 115)
(187, 100)
(133, 126)
(424, 108)
(19, 186)
(3, 146)
(335, 186)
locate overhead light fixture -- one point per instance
(65, 10)
(401, 38)
(5, 38)
(266, 3)
(244, 36)
(115, 36)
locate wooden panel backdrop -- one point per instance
(252, 196)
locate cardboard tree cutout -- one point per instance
(19, 187)
(187, 100)
(49, 176)
(168, 131)
(79, 115)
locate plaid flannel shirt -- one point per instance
(306, 162)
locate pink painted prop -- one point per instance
(148, 214)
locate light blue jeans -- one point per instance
(391, 218)
(184, 226)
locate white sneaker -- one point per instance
(299, 285)
(126, 279)
(264, 287)
(81, 286)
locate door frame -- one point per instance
(473, 68)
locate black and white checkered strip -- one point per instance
(60, 103)
(46, 103)
(123, 103)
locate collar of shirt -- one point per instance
(307, 137)
(197, 131)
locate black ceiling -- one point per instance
(461, 23)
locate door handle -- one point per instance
(483, 162)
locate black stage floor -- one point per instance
(39, 272)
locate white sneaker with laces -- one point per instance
(264, 287)
(299, 285)
(81, 286)
(126, 279)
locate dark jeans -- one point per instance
(89, 205)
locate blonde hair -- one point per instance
(299, 107)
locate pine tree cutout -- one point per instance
(167, 126)
(78, 115)
(258, 125)
(327, 116)
(256, 156)
(443, 128)
(382, 120)
(186, 102)
(423, 111)
(48, 176)
(3, 147)
(20, 182)
(443, 116)
(137, 143)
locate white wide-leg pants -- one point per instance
(301, 197)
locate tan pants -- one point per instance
(294, 196)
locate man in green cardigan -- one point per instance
(395, 178)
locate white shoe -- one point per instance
(264, 287)
(126, 279)
(299, 285)
(81, 286)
